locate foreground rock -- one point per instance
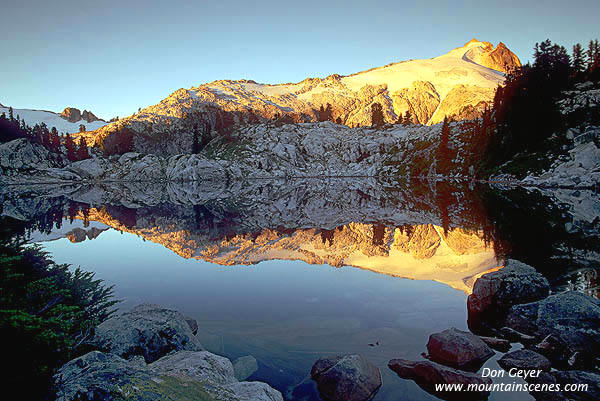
(499, 344)
(458, 349)
(570, 318)
(184, 375)
(147, 330)
(494, 293)
(592, 393)
(427, 374)
(346, 377)
(525, 360)
(244, 367)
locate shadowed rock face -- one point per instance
(73, 115)
(427, 374)
(458, 349)
(346, 378)
(572, 318)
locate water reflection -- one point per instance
(178, 245)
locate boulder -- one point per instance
(515, 336)
(499, 344)
(183, 375)
(427, 374)
(458, 349)
(592, 393)
(524, 359)
(200, 365)
(494, 293)
(244, 367)
(93, 168)
(572, 318)
(146, 330)
(346, 377)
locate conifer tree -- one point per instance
(577, 60)
(82, 151)
(443, 151)
(71, 149)
(399, 120)
(407, 118)
(377, 115)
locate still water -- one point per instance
(293, 277)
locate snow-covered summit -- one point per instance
(459, 84)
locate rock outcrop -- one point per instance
(148, 331)
(73, 115)
(494, 293)
(151, 354)
(182, 375)
(571, 318)
(458, 349)
(427, 374)
(346, 378)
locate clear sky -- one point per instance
(112, 57)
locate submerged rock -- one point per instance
(346, 377)
(427, 374)
(524, 359)
(244, 367)
(146, 330)
(458, 349)
(494, 293)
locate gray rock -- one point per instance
(346, 377)
(571, 318)
(427, 374)
(193, 323)
(244, 367)
(93, 168)
(183, 375)
(200, 365)
(458, 349)
(494, 293)
(254, 391)
(22, 154)
(524, 359)
(146, 330)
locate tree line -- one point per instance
(12, 128)
(525, 115)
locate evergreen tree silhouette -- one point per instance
(377, 115)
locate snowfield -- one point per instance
(52, 119)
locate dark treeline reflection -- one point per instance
(528, 226)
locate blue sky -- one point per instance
(112, 57)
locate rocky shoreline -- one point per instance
(151, 353)
(559, 336)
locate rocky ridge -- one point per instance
(453, 84)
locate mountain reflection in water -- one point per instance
(288, 314)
